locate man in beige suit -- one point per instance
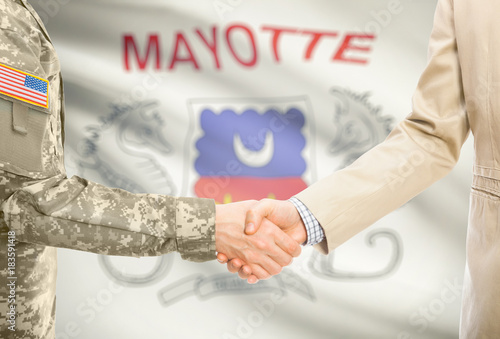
(457, 92)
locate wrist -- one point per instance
(302, 233)
(309, 224)
(299, 231)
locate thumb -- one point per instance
(255, 215)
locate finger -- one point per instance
(255, 215)
(280, 258)
(252, 279)
(259, 272)
(287, 243)
(222, 258)
(245, 272)
(234, 265)
(276, 244)
(267, 254)
(265, 267)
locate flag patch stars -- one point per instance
(24, 86)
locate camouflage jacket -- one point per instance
(42, 209)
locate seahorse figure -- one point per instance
(139, 134)
(135, 134)
(359, 125)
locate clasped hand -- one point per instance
(258, 239)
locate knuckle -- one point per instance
(291, 248)
(264, 276)
(252, 257)
(254, 210)
(261, 244)
(245, 271)
(232, 269)
(288, 260)
(270, 231)
(276, 270)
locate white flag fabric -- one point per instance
(235, 100)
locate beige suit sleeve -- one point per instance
(422, 149)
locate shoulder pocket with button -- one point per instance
(22, 132)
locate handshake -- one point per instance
(258, 238)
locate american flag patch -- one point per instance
(24, 86)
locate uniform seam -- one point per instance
(10, 222)
(489, 97)
(481, 188)
(486, 168)
(180, 243)
(484, 194)
(49, 215)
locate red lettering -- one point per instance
(315, 37)
(211, 46)
(347, 46)
(180, 39)
(276, 35)
(253, 60)
(153, 43)
(241, 43)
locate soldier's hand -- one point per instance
(264, 253)
(282, 213)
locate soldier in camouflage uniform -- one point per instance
(41, 207)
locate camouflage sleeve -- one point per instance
(47, 208)
(78, 214)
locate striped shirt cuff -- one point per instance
(315, 233)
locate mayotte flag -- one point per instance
(24, 86)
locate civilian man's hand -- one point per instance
(281, 213)
(262, 254)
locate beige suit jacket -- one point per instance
(459, 91)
